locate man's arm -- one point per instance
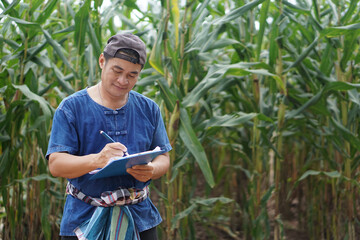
(153, 170)
(62, 164)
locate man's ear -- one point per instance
(101, 60)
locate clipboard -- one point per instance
(118, 166)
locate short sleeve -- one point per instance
(63, 137)
(160, 137)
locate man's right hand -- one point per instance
(63, 164)
(110, 150)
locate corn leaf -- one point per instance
(96, 44)
(263, 16)
(46, 13)
(155, 58)
(354, 5)
(303, 55)
(341, 30)
(176, 15)
(216, 75)
(334, 174)
(312, 101)
(229, 120)
(34, 97)
(81, 20)
(347, 134)
(23, 23)
(191, 141)
(167, 94)
(340, 86)
(351, 44)
(236, 13)
(38, 178)
(56, 46)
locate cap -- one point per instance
(126, 40)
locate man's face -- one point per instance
(118, 76)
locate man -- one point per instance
(76, 147)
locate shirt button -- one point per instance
(115, 112)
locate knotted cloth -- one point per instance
(112, 218)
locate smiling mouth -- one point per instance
(120, 87)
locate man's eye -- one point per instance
(131, 76)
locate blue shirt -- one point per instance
(76, 125)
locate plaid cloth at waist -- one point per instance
(119, 197)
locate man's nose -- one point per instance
(122, 79)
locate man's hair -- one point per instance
(124, 51)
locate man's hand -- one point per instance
(109, 151)
(143, 173)
(62, 164)
(153, 170)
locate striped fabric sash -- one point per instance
(112, 218)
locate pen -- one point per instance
(112, 140)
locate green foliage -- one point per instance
(260, 99)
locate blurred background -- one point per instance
(260, 99)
